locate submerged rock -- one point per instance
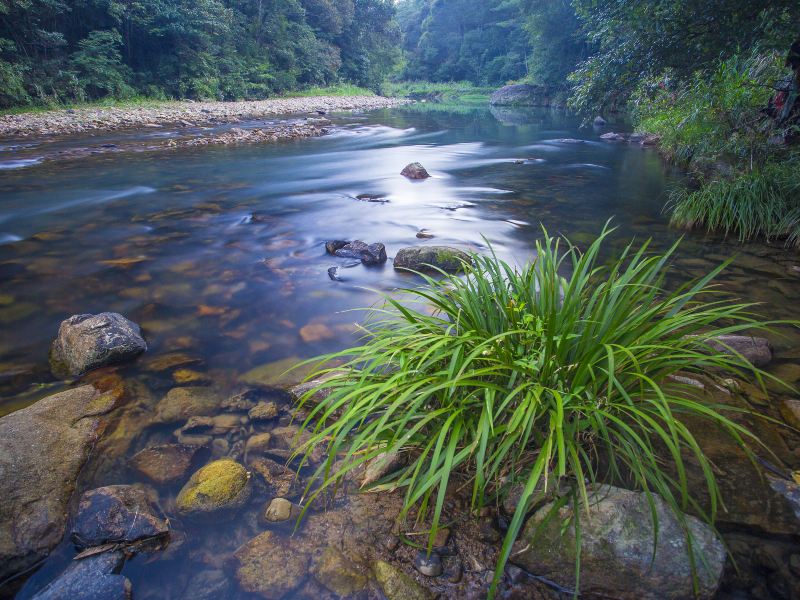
(280, 479)
(396, 585)
(415, 171)
(42, 449)
(267, 566)
(617, 557)
(757, 350)
(117, 514)
(87, 342)
(334, 571)
(221, 486)
(278, 510)
(430, 258)
(263, 411)
(182, 403)
(164, 464)
(91, 578)
(369, 254)
(428, 565)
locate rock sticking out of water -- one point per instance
(617, 557)
(333, 245)
(42, 449)
(87, 342)
(756, 350)
(599, 121)
(369, 254)
(431, 258)
(220, 487)
(91, 578)
(428, 565)
(415, 171)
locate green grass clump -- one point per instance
(759, 203)
(341, 89)
(554, 375)
(461, 91)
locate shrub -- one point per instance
(531, 376)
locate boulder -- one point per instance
(117, 514)
(369, 254)
(756, 350)
(430, 258)
(332, 246)
(396, 585)
(164, 464)
(87, 342)
(415, 171)
(269, 567)
(91, 578)
(337, 573)
(220, 487)
(612, 136)
(182, 403)
(42, 449)
(617, 558)
(520, 94)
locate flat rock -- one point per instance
(91, 578)
(117, 514)
(164, 464)
(617, 558)
(430, 258)
(42, 449)
(415, 170)
(267, 566)
(87, 342)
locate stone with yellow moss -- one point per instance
(397, 585)
(221, 487)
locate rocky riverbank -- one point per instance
(181, 114)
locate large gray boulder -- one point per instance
(42, 449)
(617, 558)
(87, 342)
(91, 578)
(430, 258)
(520, 94)
(756, 350)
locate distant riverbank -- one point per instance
(177, 113)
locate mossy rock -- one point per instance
(431, 258)
(338, 573)
(396, 585)
(220, 486)
(270, 567)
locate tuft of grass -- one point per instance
(556, 376)
(341, 89)
(758, 203)
(455, 91)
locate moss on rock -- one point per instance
(220, 485)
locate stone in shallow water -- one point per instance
(182, 403)
(428, 565)
(220, 487)
(332, 246)
(281, 480)
(430, 258)
(42, 449)
(263, 411)
(617, 558)
(278, 510)
(396, 585)
(164, 464)
(338, 573)
(269, 567)
(91, 578)
(415, 171)
(756, 350)
(87, 342)
(117, 514)
(369, 254)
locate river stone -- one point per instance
(42, 449)
(520, 94)
(380, 466)
(278, 510)
(221, 486)
(617, 549)
(87, 342)
(267, 566)
(91, 578)
(117, 514)
(334, 571)
(164, 464)
(209, 585)
(182, 403)
(333, 245)
(369, 254)
(280, 479)
(415, 171)
(612, 136)
(396, 585)
(756, 350)
(430, 258)
(790, 411)
(263, 411)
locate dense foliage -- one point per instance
(532, 378)
(55, 50)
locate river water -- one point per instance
(218, 253)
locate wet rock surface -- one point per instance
(91, 578)
(430, 258)
(415, 171)
(369, 254)
(87, 342)
(396, 585)
(617, 555)
(183, 403)
(220, 487)
(268, 567)
(164, 464)
(42, 449)
(117, 514)
(521, 94)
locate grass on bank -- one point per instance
(533, 378)
(457, 91)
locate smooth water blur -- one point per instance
(219, 252)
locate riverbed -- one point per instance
(219, 254)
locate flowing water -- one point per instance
(218, 253)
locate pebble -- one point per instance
(430, 566)
(280, 509)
